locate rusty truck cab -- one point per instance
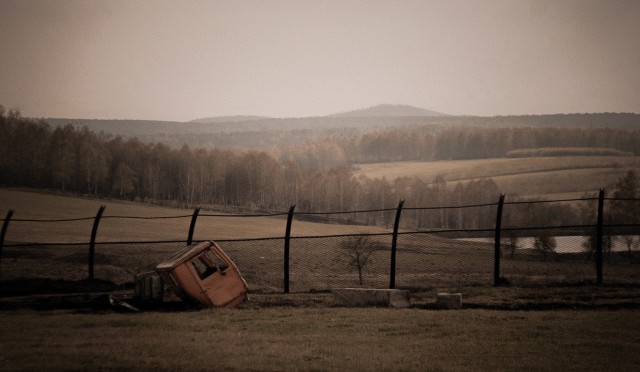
(204, 273)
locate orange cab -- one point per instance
(204, 273)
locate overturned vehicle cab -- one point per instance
(203, 272)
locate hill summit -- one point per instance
(386, 110)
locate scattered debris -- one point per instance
(119, 305)
(148, 287)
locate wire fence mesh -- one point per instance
(443, 259)
(437, 247)
(261, 262)
(45, 261)
(114, 262)
(322, 263)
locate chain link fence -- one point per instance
(418, 253)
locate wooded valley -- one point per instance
(314, 175)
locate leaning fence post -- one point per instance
(599, 236)
(192, 227)
(92, 243)
(394, 242)
(5, 226)
(496, 249)
(287, 238)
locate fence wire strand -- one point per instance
(437, 247)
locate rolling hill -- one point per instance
(546, 177)
(386, 110)
(260, 132)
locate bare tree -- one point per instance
(632, 242)
(63, 156)
(512, 243)
(546, 244)
(124, 180)
(357, 250)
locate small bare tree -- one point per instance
(545, 243)
(632, 242)
(512, 243)
(357, 250)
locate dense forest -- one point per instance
(422, 144)
(251, 124)
(314, 176)
(262, 133)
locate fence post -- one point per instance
(287, 238)
(599, 236)
(192, 227)
(92, 243)
(394, 242)
(5, 226)
(496, 249)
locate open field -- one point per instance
(571, 175)
(322, 338)
(423, 261)
(261, 261)
(36, 205)
(316, 264)
(304, 331)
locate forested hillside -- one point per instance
(260, 133)
(315, 176)
(480, 143)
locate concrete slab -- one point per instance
(396, 298)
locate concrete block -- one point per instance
(449, 301)
(395, 298)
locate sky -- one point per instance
(187, 59)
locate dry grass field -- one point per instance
(315, 338)
(305, 331)
(545, 176)
(261, 261)
(37, 205)
(316, 264)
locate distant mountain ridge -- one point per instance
(229, 119)
(379, 111)
(386, 110)
(257, 132)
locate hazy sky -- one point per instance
(181, 60)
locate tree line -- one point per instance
(77, 160)
(456, 143)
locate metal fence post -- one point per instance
(5, 226)
(192, 227)
(394, 242)
(599, 236)
(496, 249)
(287, 238)
(92, 243)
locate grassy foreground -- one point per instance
(322, 338)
